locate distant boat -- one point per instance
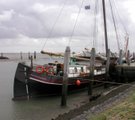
(100, 57)
(3, 57)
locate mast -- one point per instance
(105, 26)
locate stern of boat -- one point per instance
(20, 88)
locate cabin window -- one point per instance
(71, 71)
(81, 69)
(75, 70)
(58, 68)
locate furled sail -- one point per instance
(52, 53)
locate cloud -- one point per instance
(26, 25)
(41, 8)
(6, 15)
(130, 9)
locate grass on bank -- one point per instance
(121, 111)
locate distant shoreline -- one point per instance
(2, 57)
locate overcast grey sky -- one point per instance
(26, 24)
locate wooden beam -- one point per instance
(65, 77)
(92, 67)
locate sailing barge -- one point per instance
(48, 79)
(29, 83)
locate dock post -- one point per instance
(31, 59)
(128, 57)
(107, 68)
(65, 77)
(29, 55)
(1, 54)
(133, 56)
(21, 55)
(120, 57)
(35, 55)
(92, 64)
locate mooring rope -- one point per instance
(109, 82)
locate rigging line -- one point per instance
(121, 21)
(114, 23)
(50, 33)
(95, 23)
(75, 23)
(124, 26)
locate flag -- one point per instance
(87, 7)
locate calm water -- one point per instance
(36, 109)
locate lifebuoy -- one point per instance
(49, 70)
(40, 69)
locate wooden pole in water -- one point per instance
(65, 77)
(107, 67)
(31, 59)
(35, 56)
(92, 64)
(128, 57)
(120, 57)
(29, 55)
(21, 55)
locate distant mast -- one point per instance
(126, 45)
(105, 27)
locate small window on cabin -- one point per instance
(75, 69)
(81, 69)
(70, 71)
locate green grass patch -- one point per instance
(124, 110)
(132, 98)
